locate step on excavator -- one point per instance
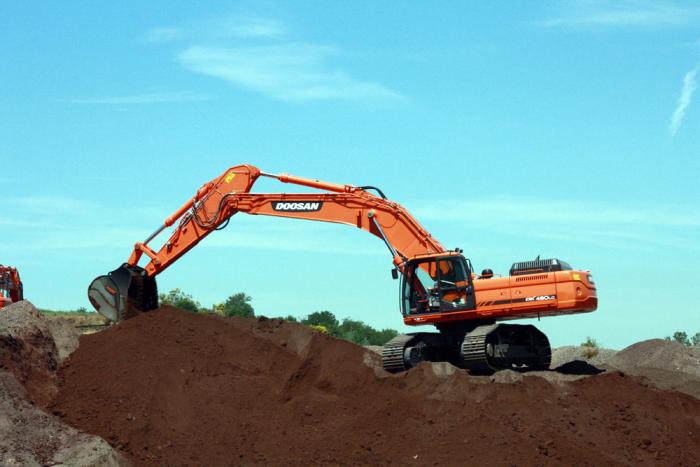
(439, 286)
(10, 286)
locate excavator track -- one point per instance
(483, 350)
(474, 350)
(494, 347)
(393, 359)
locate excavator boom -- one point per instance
(439, 286)
(130, 288)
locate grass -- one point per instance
(77, 318)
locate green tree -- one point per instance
(384, 336)
(323, 318)
(364, 334)
(354, 331)
(289, 318)
(178, 298)
(238, 305)
(696, 339)
(351, 330)
(681, 337)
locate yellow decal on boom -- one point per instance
(577, 277)
(229, 177)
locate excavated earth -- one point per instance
(174, 388)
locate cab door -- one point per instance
(454, 284)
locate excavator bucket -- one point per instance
(123, 293)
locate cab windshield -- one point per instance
(437, 285)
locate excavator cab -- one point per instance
(437, 284)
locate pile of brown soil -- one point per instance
(175, 388)
(667, 364)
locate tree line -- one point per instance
(238, 304)
(682, 338)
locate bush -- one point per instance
(237, 305)
(696, 339)
(178, 298)
(320, 328)
(590, 347)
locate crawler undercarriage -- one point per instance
(483, 349)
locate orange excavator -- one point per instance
(439, 286)
(10, 286)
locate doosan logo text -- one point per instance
(297, 206)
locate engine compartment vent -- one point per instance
(539, 266)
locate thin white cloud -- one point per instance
(73, 238)
(603, 225)
(49, 204)
(289, 72)
(496, 210)
(294, 242)
(164, 34)
(634, 13)
(238, 27)
(257, 54)
(62, 223)
(143, 99)
(249, 27)
(16, 223)
(689, 86)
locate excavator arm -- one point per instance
(131, 288)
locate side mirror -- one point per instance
(394, 274)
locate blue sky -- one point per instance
(561, 129)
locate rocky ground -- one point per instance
(31, 350)
(175, 388)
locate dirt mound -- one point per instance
(667, 364)
(174, 388)
(32, 347)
